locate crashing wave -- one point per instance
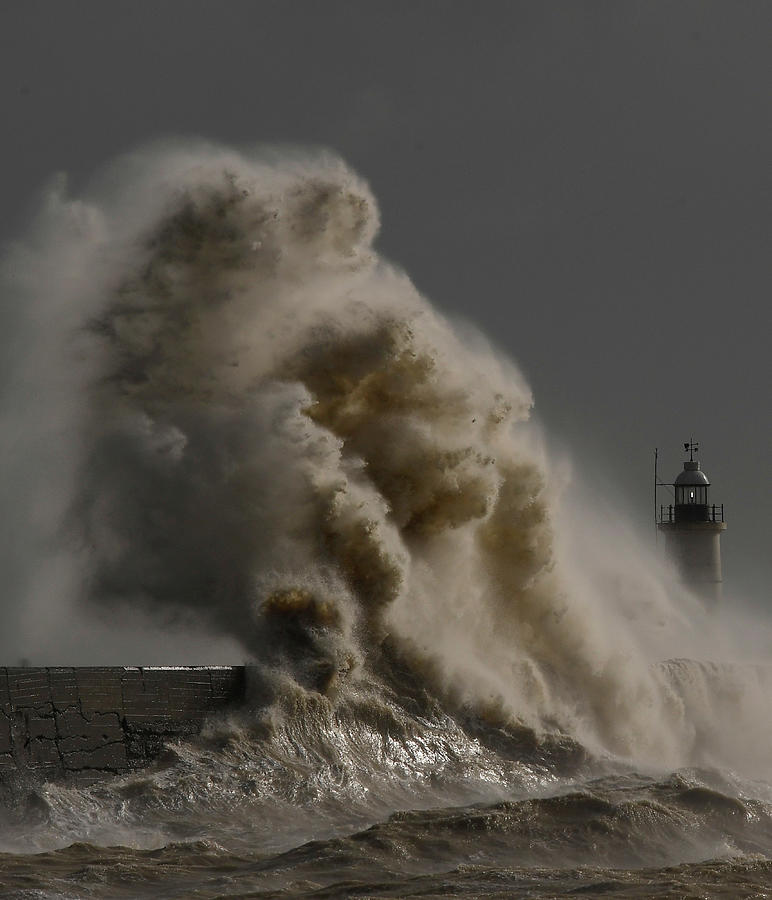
(262, 426)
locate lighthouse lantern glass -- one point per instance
(691, 494)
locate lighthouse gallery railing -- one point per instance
(711, 513)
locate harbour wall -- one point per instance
(83, 722)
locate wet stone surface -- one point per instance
(56, 722)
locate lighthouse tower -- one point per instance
(692, 528)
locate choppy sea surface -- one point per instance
(384, 794)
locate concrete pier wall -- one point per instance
(56, 722)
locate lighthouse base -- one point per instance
(695, 548)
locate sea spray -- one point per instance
(235, 414)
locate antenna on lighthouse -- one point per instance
(656, 520)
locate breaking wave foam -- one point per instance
(263, 427)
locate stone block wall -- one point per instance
(56, 722)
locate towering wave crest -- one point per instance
(257, 423)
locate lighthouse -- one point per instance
(692, 527)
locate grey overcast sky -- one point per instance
(589, 182)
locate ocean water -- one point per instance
(230, 427)
(384, 793)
